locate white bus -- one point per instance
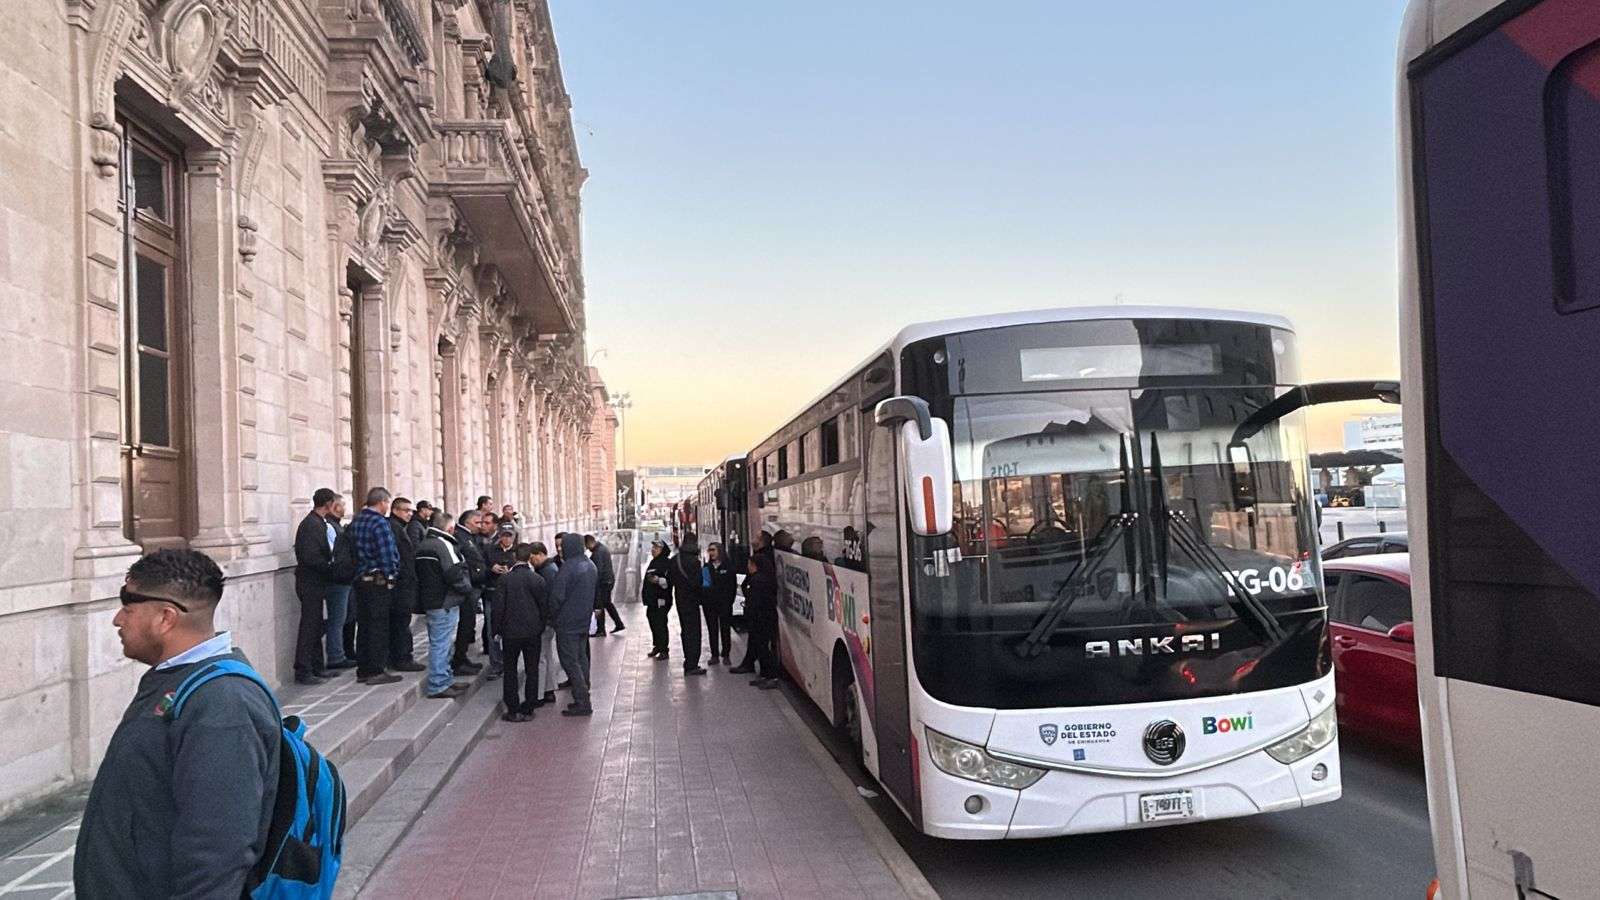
(1500, 310)
(1056, 572)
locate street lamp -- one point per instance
(622, 403)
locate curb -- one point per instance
(883, 842)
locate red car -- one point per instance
(1374, 654)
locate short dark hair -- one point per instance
(323, 496)
(588, 539)
(482, 499)
(400, 500)
(377, 495)
(522, 552)
(466, 517)
(560, 535)
(538, 548)
(423, 504)
(188, 575)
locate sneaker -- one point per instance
(653, 653)
(382, 678)
(575, 711)
(310, 680)
(662, 657)
(409, 665)
(741, 670)
(449, 693)
(767, 684)
(697, 670)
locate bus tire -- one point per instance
(846, 709)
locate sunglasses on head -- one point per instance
(129, 597)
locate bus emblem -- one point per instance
(1047, 733)
(1163, 742)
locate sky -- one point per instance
(776, 189)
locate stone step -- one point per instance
(377, 764)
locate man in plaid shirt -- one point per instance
(377, 567)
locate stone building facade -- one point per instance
(249, 248)
(600, 462)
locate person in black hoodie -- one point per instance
(466, 535)
(521, 611)
(720, 585)
(761, 610)
(748, 663)
(657, 596)
(403, 596)
(685, 575)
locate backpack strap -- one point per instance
(210, 672)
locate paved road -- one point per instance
(1371, 843)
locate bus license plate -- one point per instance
(1170, 805)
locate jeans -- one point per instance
(372, 609)
(308, 638)
(604, 606)
(574, 652)
(491, 641)
(658, 628)
(689, 632)
(526, 650)
(338, 601)
(441, 635)
(549, 664)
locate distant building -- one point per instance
(662, 486)
(1373, 433)
(601, 460)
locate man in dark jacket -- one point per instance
(313, 570)
(685, 574)
(402, 654)
(420, 522)
(572, 596)
(600, 555)
(748, 664)
(466, 535)
(501, 559)
(520, 613)
(761, 611)
(180, 806)
(443, 586)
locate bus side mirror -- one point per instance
(1404, 633)
(927, 468)
(1242, 472)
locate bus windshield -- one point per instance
(1117, 546)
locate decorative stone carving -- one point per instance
(106, 137)
(247, 238)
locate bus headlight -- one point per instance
(969, 761)
(1308, 740)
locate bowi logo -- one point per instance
(1225, 724)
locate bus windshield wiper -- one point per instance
(1061, 602)
(1188, 539)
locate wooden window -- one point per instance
(155, 361)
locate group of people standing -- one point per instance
(400, 560)
(707, 587)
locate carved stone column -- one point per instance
(372, 379)
(450, 414)
(214, 398)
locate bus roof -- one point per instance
(923, 330)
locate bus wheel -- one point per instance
(847, 714)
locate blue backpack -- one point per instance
(305, 841)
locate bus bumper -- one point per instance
(1080, 803)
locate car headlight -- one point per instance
(969, 761)
(1308, 740)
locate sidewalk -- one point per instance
(676, 786)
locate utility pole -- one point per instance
(622, 403)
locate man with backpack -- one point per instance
(182, 805)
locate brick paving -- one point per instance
(676, 786)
